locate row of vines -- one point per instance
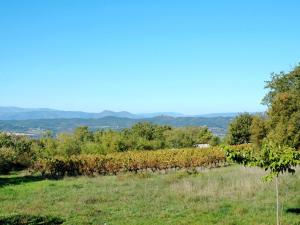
(133, 161)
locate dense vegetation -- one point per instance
(281, 124)
(16, 153)
(21, 152)
(283, 100)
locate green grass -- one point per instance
(232, 195)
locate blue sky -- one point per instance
(187, 56)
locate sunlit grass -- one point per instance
(231, 195)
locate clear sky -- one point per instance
(186, 56)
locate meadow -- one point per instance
(228, 195)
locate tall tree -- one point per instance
(283, 100)
(239, 131)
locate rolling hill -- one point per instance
(17, 113)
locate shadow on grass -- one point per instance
(4, 181)
(293, 210)
(30, 220)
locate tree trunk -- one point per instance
(277, 201)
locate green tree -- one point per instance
(107, 141)
(258, 130)
(149, 131)
(83, 134)
(188, 137)
(68, 145)
(239, 131)
(283, 100)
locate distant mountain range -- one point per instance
(35, 122)
(16, 113)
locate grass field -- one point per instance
(231, 195)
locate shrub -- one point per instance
(7, 160)
(132, 161)
(15, 152)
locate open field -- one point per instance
(231, 195)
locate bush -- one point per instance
(15, 152)
(7, 160)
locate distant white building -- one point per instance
(202, 145)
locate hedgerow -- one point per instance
(132, 161)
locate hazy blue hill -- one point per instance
(232, 114)
(15, 113)
(123, 114)
(150, 115)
